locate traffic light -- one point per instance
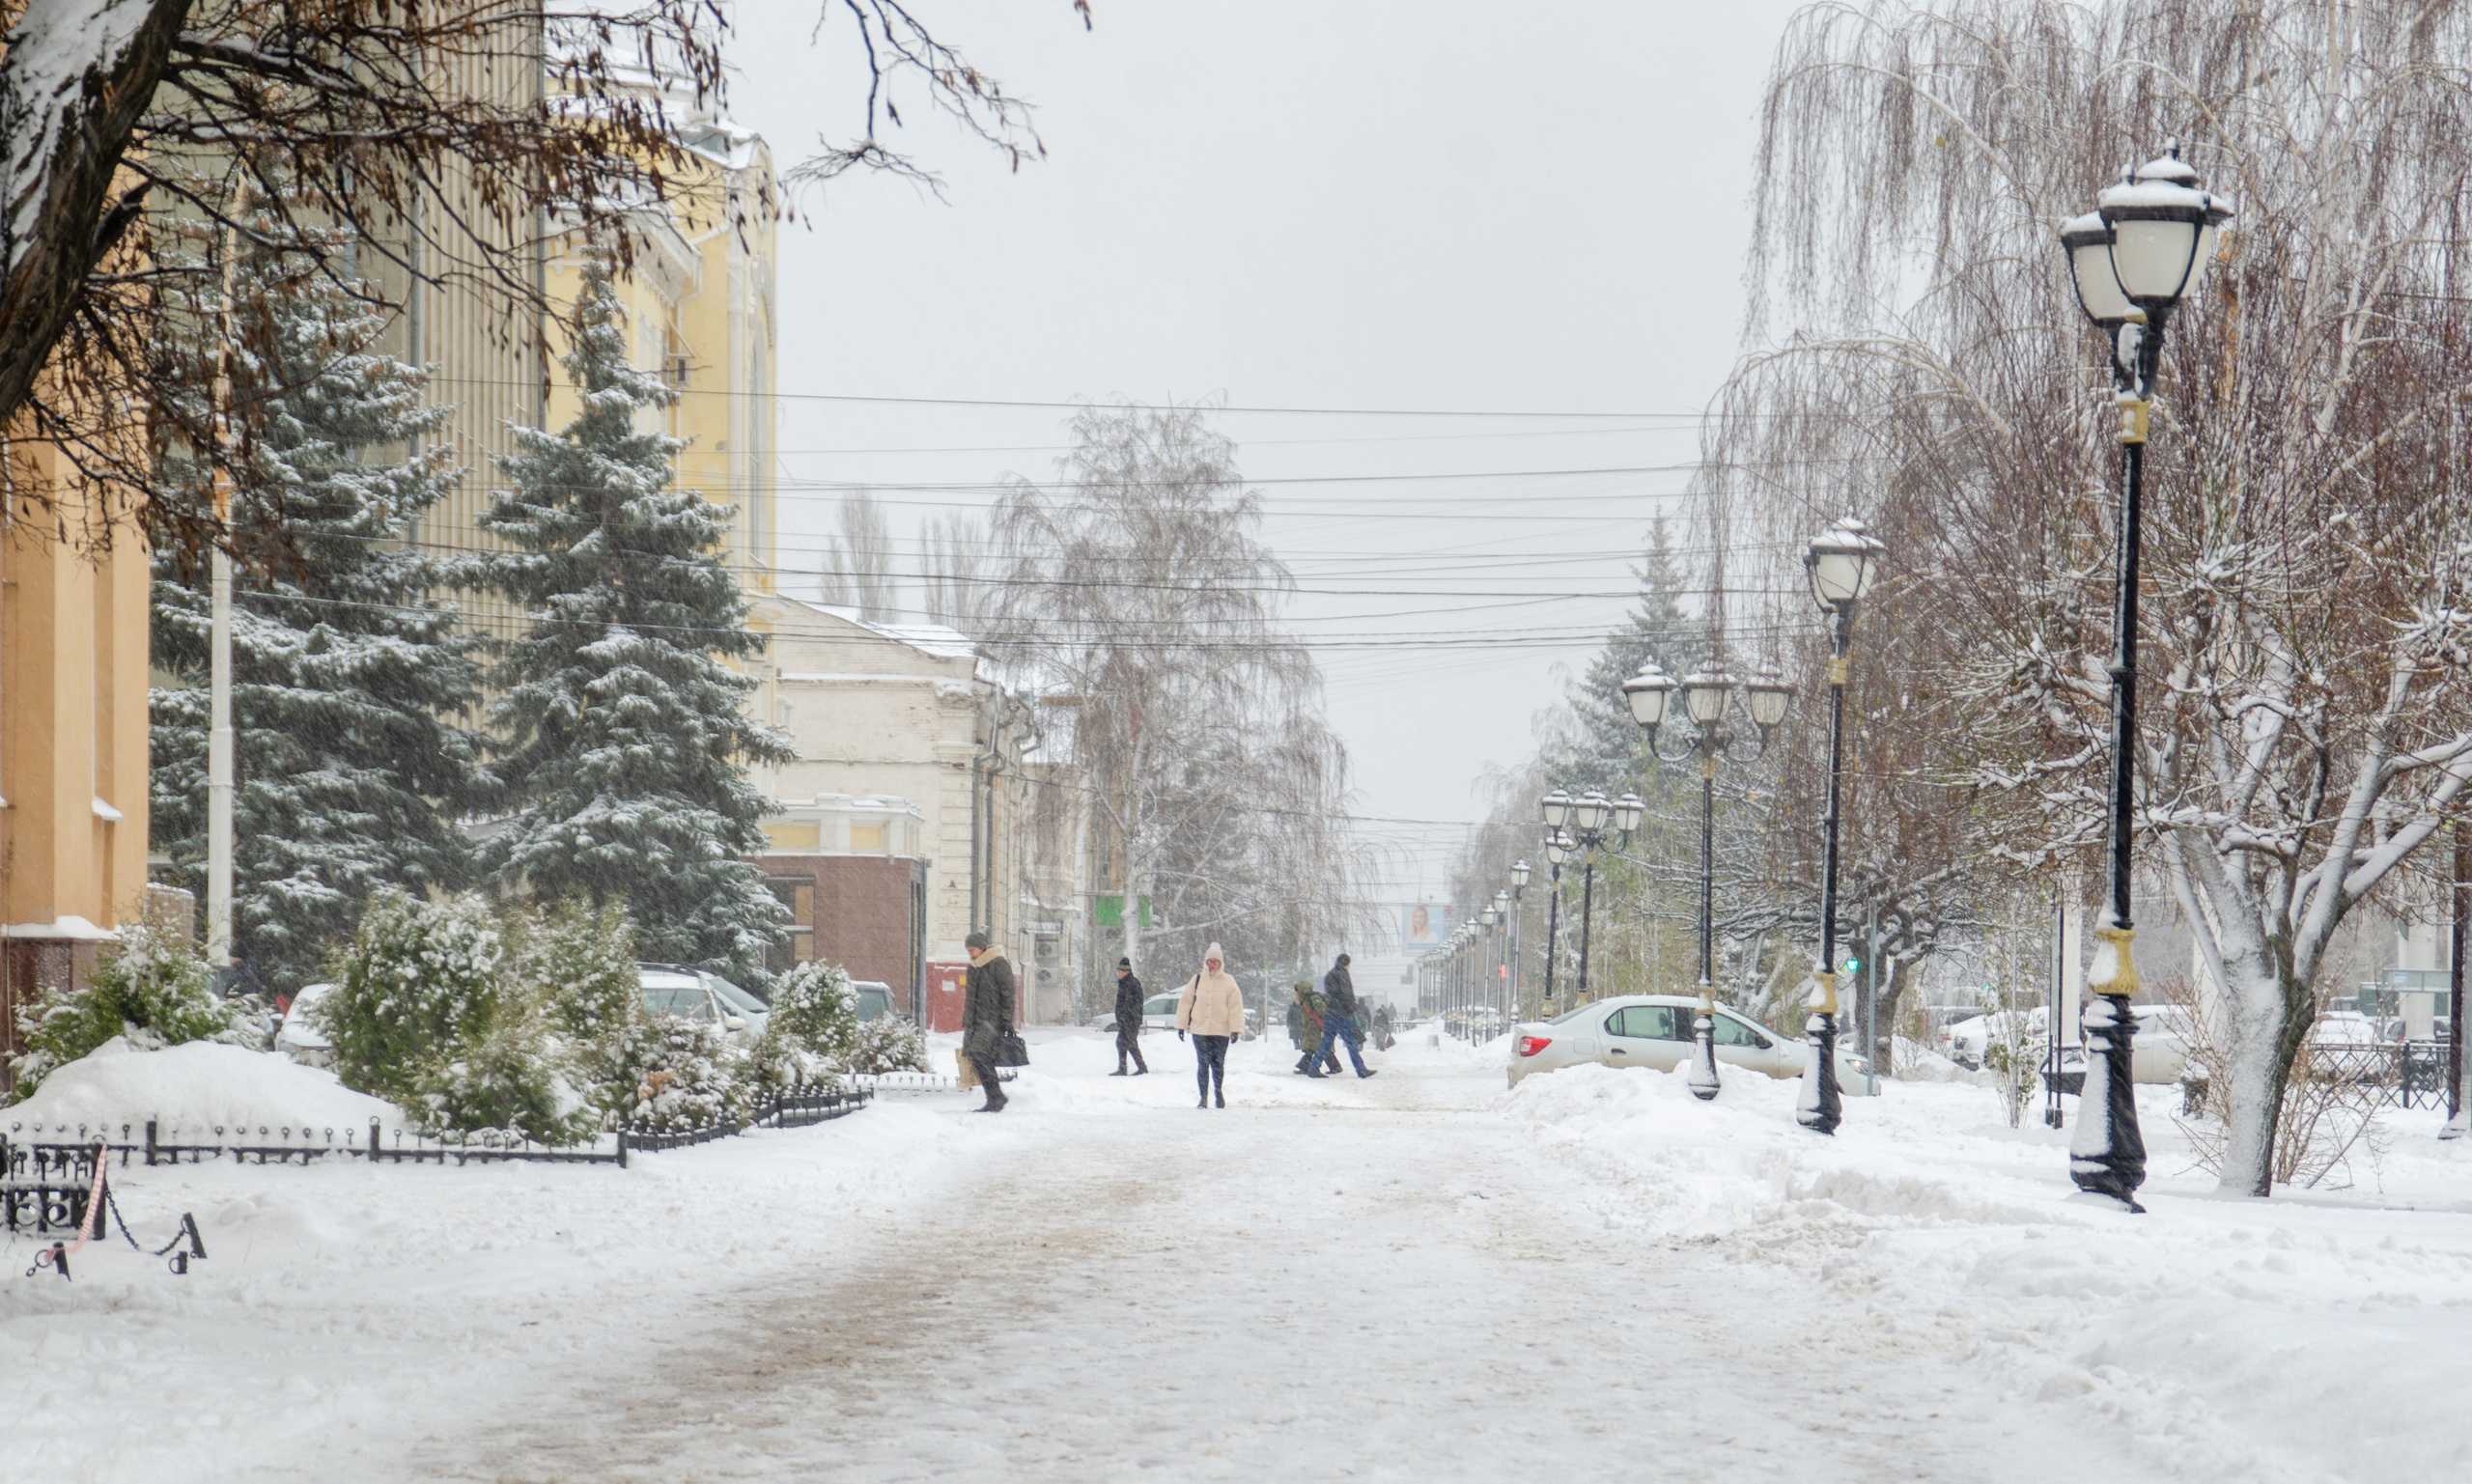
(1853, 966)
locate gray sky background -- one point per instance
(1418, 204)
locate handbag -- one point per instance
(1011, 1051)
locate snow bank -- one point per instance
(2217, 1339)
(200, 1085)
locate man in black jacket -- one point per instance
(1340, 1012)
(987, 1013)
(1128, 1020)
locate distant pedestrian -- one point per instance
(1339, 1011)
(1213, 1008)
(1381, 1033)
(986, 1006)
(1128, 1020)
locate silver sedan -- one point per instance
(1654, 1030)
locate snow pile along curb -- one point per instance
(199, 1085)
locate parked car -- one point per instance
(299, 1039)
(2158, 1055)
(1655, 1030)
(875, 999)
(696, 994)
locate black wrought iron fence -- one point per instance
(33, 1152)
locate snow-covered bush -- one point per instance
(576, 965)
(815, 1011)
(419, 980)
(691, 1076)
(154, 989)
(513, 1076)
(887, 1044)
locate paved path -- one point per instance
(1404, 1288)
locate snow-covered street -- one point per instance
(1419, 1276)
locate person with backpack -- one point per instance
(1128, 1021)
(1340, 1012)
(1212, 1007)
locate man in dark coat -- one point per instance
(1128, 1020)
(1340, 1012)
(987, 1014)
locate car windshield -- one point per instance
(873, 1004)
(1573, 1014)
(675, 998)
(733, 997)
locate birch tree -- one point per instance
(1135, 587)
(1917, 356)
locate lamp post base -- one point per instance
(2107, 1152)
(1704, 1057)
(1820, 1107)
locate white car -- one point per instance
(2156, 1055)
(1654, 1030)
(299, 1040)
(691, 994)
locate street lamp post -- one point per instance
(1558, 850)
(1842, 563)
(1706, 694)
(2142, 248)
(1518, 976)
(1591, 818)
(1485, 920)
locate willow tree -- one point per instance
(1919, 357)
(1135, 589)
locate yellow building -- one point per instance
(699, 306)
(72, 724)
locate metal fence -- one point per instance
(2398, 1074)
(28, 1151)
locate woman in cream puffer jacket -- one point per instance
(1212, 1007)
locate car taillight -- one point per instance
(1529, 1045)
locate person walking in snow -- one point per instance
(986, 1007)
(1309, 1014)
(1128, 1021)
(1213, 1008)
(1339, 1011)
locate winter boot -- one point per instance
(1140, 1068)
(1318, 1074)
(1365, 1071)
(1223, 1099)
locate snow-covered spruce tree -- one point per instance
(417, 978)
(693, 1076)
(813, 1029)
(578, 965)
(887, 1044)
(623, 733)
(346, 668)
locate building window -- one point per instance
(797, 894)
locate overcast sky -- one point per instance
(1437, 207)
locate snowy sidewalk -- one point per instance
(1410, 1278)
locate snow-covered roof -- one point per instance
(929, 638)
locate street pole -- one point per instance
(1553, 934)
(2107, 1154)
(1820, 1108)
(1587, 911)
(2459, 900)
(1703, 1026)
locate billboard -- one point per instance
(1424, 926)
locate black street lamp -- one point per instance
(1591, 818)
(1842, 563)
(1706, 694)
(2132, 259)
(1517, 979)
(1558, 850)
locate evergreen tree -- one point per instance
(623, 734)
(346, 671)
(1608, 754)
